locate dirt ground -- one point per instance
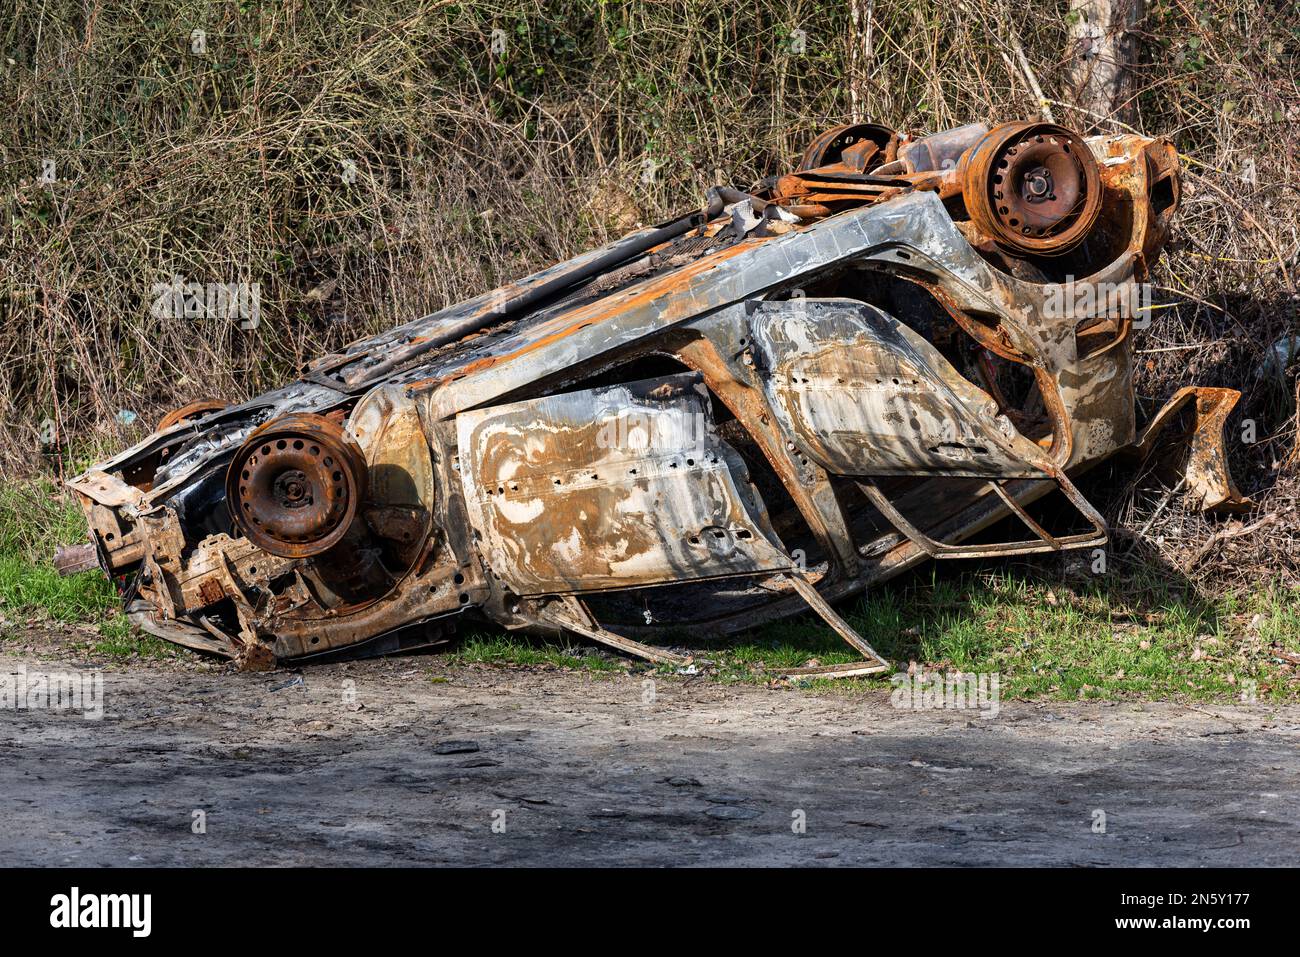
(413, 761)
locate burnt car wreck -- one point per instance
(761, 407)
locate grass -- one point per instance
(1094, 639)
(35, 518)
(509, 649)
(122, 642)
(1047, 639)
(28, 587)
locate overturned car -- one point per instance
(763, 406)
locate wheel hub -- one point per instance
(292, 489)
(295, 485)
(1034, 188)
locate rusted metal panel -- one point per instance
(619, 487)
(864, 395)
(1205, 472)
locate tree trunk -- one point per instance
(1103, 48)
(861, 53)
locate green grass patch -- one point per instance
(513, 650)
(121, 641)
(31, 588)
(1131, 634)
(1135, 636)
(1050, 639)
(35, 518)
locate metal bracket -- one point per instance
(568, 613)
(1044, 543)
(873, 665)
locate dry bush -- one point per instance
(490, 139)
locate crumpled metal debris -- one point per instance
(762, 406)
(1205, 472)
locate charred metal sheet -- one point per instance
(73, 559)
(760, 406)
(862, 394)
(619, 487)
(1206, 469)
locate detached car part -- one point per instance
(766, 405)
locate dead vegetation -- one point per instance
(364, 163)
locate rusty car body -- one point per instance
(765, 405)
